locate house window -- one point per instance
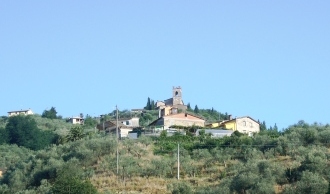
(127, 122)
(244, 123)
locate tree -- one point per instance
(148, 106)
(152, 105)
(75, 133)
(196, 110)
(3, 136)
(89, 121)
(50, 114)
(180, 188)
(263, 126)
(23, 131)
(188, 106)
(309, 183)
(69, 180)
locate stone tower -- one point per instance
(177, 96)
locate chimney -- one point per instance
(229, 117)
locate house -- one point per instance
(216, 132)
(213, 125)
(17, 112)
(111, 127)
(76, 120)
(244, 124)
(132, 122)
(179, 119)
(137, 110)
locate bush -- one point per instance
(180, 188)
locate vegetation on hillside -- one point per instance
(295, 160)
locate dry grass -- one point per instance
(133, 185)
(109, 182)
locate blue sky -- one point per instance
(266, 59)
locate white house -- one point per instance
(17, 112)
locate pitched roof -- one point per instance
(187, 114)
(166, 116)
(226, 121)
(110, 124)
(19, 111)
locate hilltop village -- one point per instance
(166, 147)
(172, 116)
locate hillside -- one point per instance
(269, 162)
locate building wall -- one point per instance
(165, 111)
(182, 120)
(177, 95)
(231, 125)
(247, 125)
(213, 125)
(124, 131)
(160, 103)
(76, 120)
(27, 112)
(133, 122)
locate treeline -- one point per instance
(23, 131)
(295, 160)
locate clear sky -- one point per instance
(266, 59)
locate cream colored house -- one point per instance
(18, 112)
(132, 122)
(111, 127)
(244, 124)
(76, 120)
(180, 119)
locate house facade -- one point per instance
(179, 119)
(76, 120)
(245, 125)
(132, 122)
(111, 127)
(18, 112)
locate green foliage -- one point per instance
(148, 117)
(70, 180)
(150, 105)
(189, 107)
(3, 121)
(210, 115)
(180, 188)
(75, 133)
(23, 131)
(3, 136)
(163, 134)
(50, 114)
(196, 110)
(309, 183)
(90, 122)
(235, 164)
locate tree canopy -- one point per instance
(50, 114)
